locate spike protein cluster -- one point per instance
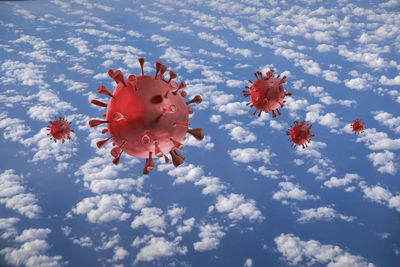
(266, 93)
(357, 126)
(300, 134)
(146, 116)
(59, 129)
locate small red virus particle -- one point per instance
(266, 93)
(357, 126)
(59, 129)
(300, 134)
(146, 116)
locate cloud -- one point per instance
(386, 81)
(159, 247)
(13, 195)
(272, 174)
(45, 149)
(239, 133)
(233, 108)
(322, 213)
(205, 143)
(378, 140)
(357, 83)
(346, 180)
(387, 119)
(103, 208)
(187, 226)
(384, 161)
(295, 252)
(390, 3)
(238, 207)
(13, 128)
(99, 175)
(215, 118)
(248, 263)
(210, 235)
(247, 155)
(152, 218)
(7, 228)
(32, 251)
(290, 191)
(83, 241)
(212, 185)
(380, 195)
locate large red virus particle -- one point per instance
(59, 129)
(357, 126)
(300, 134)
(147, 115)
(266, 93)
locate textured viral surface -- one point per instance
(59, 129)
(300, 134)
(266, 93)
(146, 116)
(357, 126)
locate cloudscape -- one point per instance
(244, 196)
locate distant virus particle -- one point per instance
(357, 126)
(59, 129)
(300, 134)
(266, 93)
(147, 115)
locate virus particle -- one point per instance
(266, 93)
(300, 134)
(59, 129)
(147, 115)
(357, 126)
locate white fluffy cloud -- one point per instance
(159, 247)
(290, 191)
(103, 208)
(246, 155)
(387, 119)
(378, 140)
(7, 228)
(384, 161)
(152, 218)
(346, 180)
(238, 207)
(13, 195)
(32, 251)
(210, 235)
(296, 252)
(239, 134)
(380, 195)
(322, 213)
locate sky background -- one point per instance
(243, 197)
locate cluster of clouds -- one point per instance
(296, 251)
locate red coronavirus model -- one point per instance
(59, 129)
(357, 126)
(147, 115)
(266, 93)
(300, 134)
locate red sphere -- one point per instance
(357, 126)
(59, 129)
(147, 115)
(266, 93)
(300, 134)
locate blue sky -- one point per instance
(243, 197)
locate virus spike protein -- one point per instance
(146, 116)
(357, 126)
(266, 93)
(60, 129)
(300, 134)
